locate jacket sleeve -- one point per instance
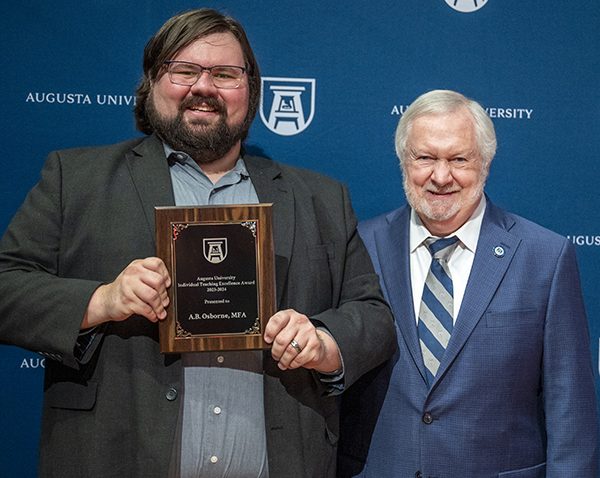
(568, 379)
(40, 310)
(361, 321)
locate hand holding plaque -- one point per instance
(221, 262)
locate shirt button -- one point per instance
(427, 418)
(220, 359)
(214, 459)
(217, 410)
(171, 394)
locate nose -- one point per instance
(204, 84)
(441, 174)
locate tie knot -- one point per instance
(441, 249)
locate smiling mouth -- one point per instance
(441, 193)
(203, 109)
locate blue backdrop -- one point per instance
(339, 74)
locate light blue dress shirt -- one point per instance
(222, 421)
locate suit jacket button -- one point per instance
(427, 418)
(171, 394)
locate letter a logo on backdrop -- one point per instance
(466, 6)
(287, 105)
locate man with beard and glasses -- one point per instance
(80, 283)
(493, 374)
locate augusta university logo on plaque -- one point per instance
(215, 249)
(467, 6)
(287, 105)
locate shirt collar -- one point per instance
(236, 173)
(468, 233)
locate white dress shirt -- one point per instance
(460, 262)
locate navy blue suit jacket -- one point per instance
(514, 395)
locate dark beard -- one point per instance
(204, 146)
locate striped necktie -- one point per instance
(437, 305)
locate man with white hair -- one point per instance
(493, 376)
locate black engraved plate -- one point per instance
(216, 292)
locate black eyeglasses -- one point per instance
(222, 76)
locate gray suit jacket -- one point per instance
(113, 412)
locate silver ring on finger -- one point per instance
(296, 346)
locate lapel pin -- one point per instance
(499, 251)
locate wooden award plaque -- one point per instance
(221, 262)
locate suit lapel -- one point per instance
(271, 187)
(151, 179)
(495, 250)
(393, 253)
